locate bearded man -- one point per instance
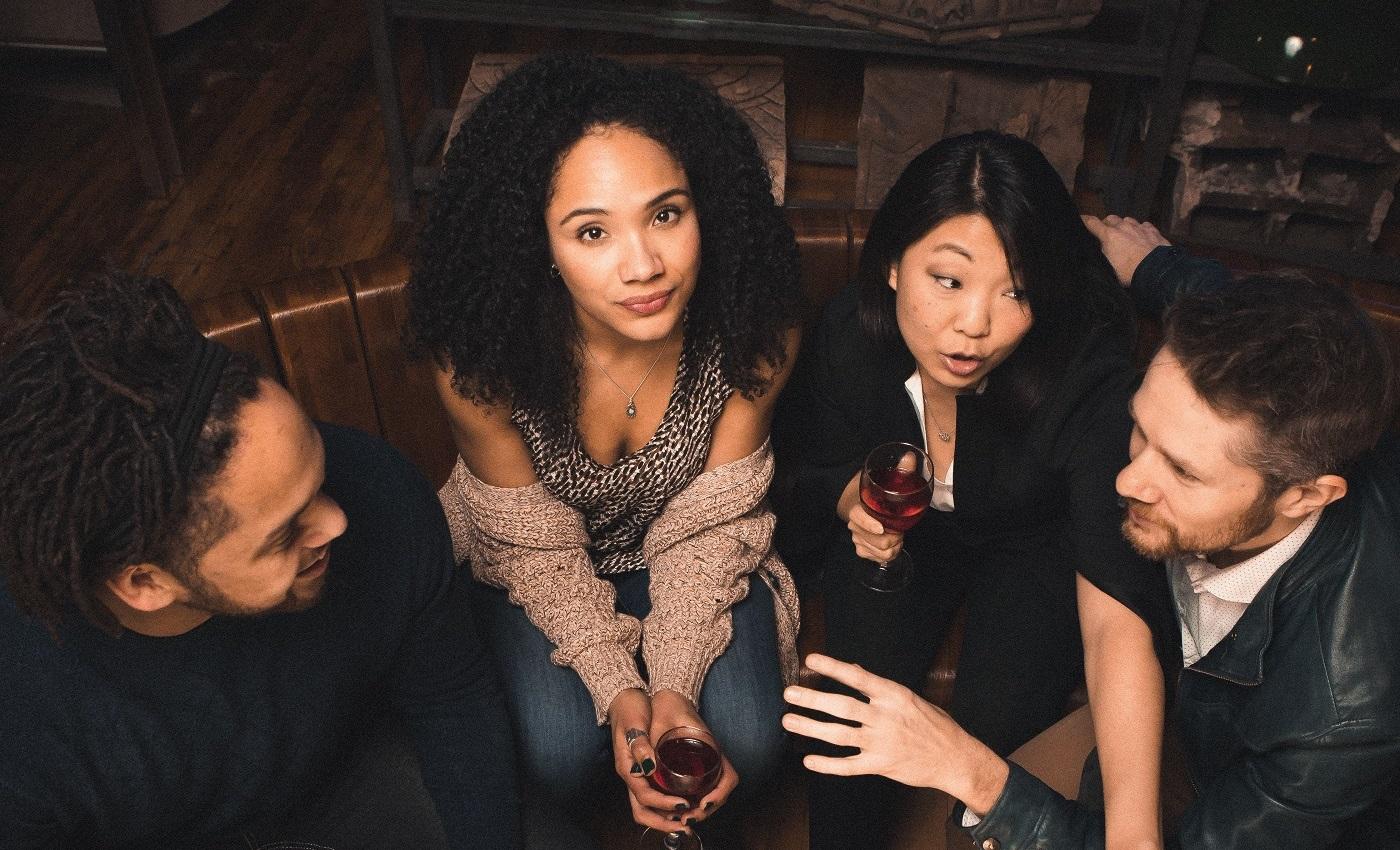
(1259, 473)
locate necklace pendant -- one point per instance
(632, 411)
(944, 436)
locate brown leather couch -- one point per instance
(334, 339)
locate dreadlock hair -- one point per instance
(87, 464)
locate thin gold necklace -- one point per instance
(631, 403)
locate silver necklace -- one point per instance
(631, 403)
(945, 436)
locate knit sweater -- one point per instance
(709, 537)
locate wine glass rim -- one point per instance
(892, 444)
(703, 736)
(704, 733)
(920, 457)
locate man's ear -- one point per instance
(894, 276)
(145, 587)
(1302, 499)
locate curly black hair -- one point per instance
(87, 464)
(481, 298)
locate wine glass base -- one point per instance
(652, 839)
(888, 577)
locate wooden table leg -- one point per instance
(127, 37)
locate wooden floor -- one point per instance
(283, 151)
(278, 123)
(277, 119)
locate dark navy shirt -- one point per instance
(135, 741)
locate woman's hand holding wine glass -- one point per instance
(639, 724)
(884, 500)
(671, 711)
(634, 758)
(872, 541)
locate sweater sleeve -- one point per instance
(709, 537)
(530, 544)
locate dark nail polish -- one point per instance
(680, 807)
(636, 769)
(690, 821)
(674, 817)
(709, 805)
(648, 766)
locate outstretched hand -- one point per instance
(1126, 242)
(900, 736)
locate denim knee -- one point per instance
(569, 764)
(562, 749)
(742, 699)
(756, 751)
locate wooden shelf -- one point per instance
(756, 22)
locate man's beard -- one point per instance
(204, 596)
(1166, 541)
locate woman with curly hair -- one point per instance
(610, 295)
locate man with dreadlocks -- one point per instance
(220, 623)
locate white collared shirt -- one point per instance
(942, 489)
(1210, 601)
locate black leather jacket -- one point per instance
(1291, 725)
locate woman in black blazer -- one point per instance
(986, 326)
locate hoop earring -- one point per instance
(554, 272)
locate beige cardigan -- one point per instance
(708, 538)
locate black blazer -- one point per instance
(1041, 484)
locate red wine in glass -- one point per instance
(896, 497)
(687, 765)
(896, 486)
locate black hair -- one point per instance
(1070, 288)
(1300, 359)
(482, 301)
(87, 464)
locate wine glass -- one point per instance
(687, 765)
(896, 486)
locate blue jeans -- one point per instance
(566, 758)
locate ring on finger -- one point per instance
(631, 736)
